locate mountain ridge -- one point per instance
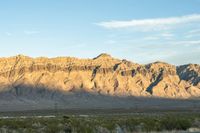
(101, 75)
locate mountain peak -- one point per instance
(21, 56)
(103, 56)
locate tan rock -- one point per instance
(103, 74)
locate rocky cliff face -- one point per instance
(25, 76)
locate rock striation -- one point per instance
(21, 75)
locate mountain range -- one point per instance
(72, 81)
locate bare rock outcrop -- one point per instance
(101, 75)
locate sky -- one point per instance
(141, 31)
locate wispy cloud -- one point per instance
(151, 38)
(166, 39)
(110, 42)
(193, 33)
(151, 24)
(167, 35)
(187, 42)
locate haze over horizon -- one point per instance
(140, 31)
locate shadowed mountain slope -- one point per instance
(25, 79)
(103, 75)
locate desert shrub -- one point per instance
(104, 123)
(175, 123)
(52, 128)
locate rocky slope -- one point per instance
(22, 76)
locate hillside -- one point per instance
(28, 80)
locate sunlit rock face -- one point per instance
(103, 75)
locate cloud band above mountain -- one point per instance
(148, 23)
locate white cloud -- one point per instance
(194, 31)
(151, 24)
(187, 42)
(155, 37)
(151, 38)
(110, 42)
(167, 35)
(192, 35)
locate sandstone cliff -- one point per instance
(22, 75)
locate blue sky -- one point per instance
(142, 31)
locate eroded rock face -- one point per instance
(101, 75)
